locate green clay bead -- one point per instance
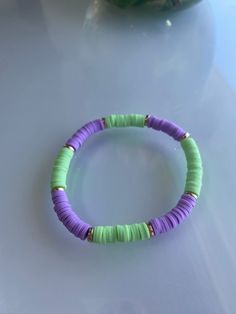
(194, 166)
(121, 120)
(61, 167)
(121, 233)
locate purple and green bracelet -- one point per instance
(129, 232)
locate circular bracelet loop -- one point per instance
(131, 232)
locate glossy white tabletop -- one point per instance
(66, 62)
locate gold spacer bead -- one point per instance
(192, 194)
(90, 234)
(186, 135)
(104, 122)
(70, 147)
(58, 188)
(150, 228)
(146, 119)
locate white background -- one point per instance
(66, 62)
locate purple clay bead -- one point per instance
(172, 219)
(166, 126)
(67, 216)
(85, 132)
(175, 216)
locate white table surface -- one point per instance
(66, 62)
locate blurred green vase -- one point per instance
(160, 4)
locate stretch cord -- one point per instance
(131, 232)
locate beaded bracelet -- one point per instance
(129, 232)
